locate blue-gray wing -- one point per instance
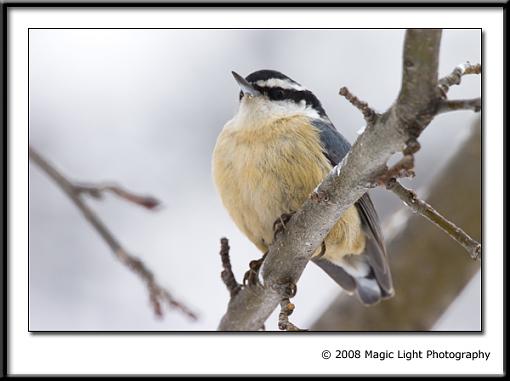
(335, 145)
(335, 148)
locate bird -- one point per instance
(270, 157)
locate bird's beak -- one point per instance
(245, 85)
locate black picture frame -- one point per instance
(7, 5)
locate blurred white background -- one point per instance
(143, 108)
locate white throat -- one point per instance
(257, 111)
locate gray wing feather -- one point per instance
(335, 145)
(376, 249)
(335, 148)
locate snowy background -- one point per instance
(143, 108)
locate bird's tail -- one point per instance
(355, 274)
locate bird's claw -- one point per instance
(251, 277)
(279, 224)
(291, 290)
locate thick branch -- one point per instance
(419, 206)
(157, 293)
(345, 184)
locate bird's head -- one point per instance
(269, 94)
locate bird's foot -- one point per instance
(251, 277)
(279, 224)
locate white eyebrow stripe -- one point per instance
(284, 84)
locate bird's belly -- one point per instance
(269, 188)
(265, 173)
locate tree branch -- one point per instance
(421, 207)
(369, 114)
(157, 293)
(428, 267)
(97, 190)
(394, 131)
(227, 275)
(455, 77)
(287, 308)
(405, 168)
(460, 104)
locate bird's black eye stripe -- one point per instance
(278, 94)
(241, 95)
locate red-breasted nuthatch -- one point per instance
(271, 156)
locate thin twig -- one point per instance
(421, 207)
(287, 308)
(474, 104)
(403, 168)
(227, 275)
(97, 190)
(157, 293)
(369, 114)
(454, 78)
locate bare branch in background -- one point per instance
(158, 295)
(396, 130)
(97, 190)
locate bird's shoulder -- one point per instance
(335, 144)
